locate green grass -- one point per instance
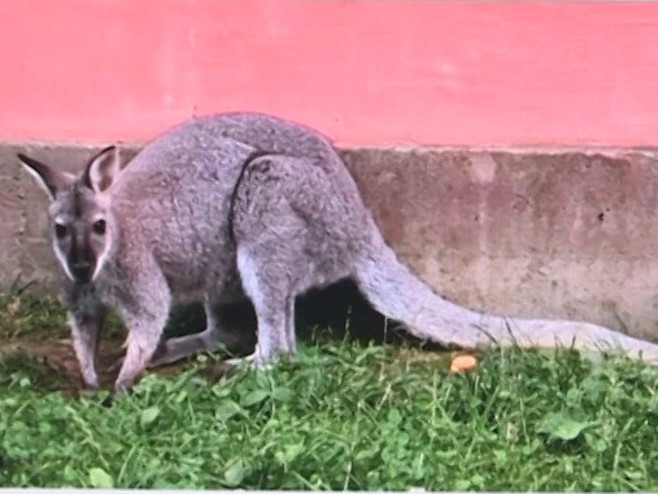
(23, 314)
(344, 415)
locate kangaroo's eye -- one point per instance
(99, 227)
(60, 231)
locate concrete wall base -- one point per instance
(542, 233)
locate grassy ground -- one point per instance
(345, 414)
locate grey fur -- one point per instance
(238, 205)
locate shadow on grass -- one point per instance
(339, 311)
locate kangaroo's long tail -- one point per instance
(398, 294)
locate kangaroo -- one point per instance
(241, 205)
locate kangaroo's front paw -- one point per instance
(88, 390)
(90, 382)
(123, 386)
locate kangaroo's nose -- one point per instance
(81, 271)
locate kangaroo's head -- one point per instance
(82, 227)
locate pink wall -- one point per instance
(365, 72)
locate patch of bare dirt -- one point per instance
(58, 357)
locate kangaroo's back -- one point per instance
(272, 134)
(182, 182)
(282, 137)
(220, 144)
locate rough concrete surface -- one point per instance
(535, 233)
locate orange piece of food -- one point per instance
(463, 363)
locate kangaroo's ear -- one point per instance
(52, 181)
(103, 169)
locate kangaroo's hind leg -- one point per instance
(271, 249)
(208, 340)
(289, 221)
(273, 301)
(181, 347)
